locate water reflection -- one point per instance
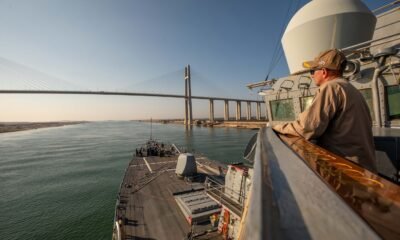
(188, 138)
(375, 199)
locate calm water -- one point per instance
(61, 183)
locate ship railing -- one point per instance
(217, 185)
(369, 44)
(385, 7)
(261, 211)
(234, 200)
(176, 148)
(300, 190)
(117, 233)
(390, 8)
(117, 203)
(356, 48)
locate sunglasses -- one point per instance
(312, 71)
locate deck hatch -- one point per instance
(197, 206)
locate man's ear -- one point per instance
(325, 72)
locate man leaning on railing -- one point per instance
(338, 118)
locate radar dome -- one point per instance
(326, 24)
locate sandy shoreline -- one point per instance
(255, 124)
(18, 126)
(24, 126)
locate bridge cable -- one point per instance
(207, 84)
(281, 49)
(165, 79)
(278, 51)
(21, 76)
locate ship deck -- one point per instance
(146, 205)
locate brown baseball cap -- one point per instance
(330, 59)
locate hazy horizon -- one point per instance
(140, 46)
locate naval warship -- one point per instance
(289, 187)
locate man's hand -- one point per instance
(287, 129)
(278, 127)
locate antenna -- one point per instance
(151, 128)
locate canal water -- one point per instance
(61, 183)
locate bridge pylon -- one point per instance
(188, 97)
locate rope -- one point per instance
(278, 51)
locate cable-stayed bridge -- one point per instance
(38, 83)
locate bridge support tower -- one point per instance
(248, 110)
(238, 111)
(211, 118)
(258, 111)
(226, 110)
(188, 97)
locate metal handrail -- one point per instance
(176, 148)
(263, 223)
(355, 46)
(220, 195)
(118, 231)
(116, 205)
(223, 186)
(230, 202)
(386, 6)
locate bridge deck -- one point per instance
(76, 92)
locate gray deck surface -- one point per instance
(147, 204)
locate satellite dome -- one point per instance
(326, 24)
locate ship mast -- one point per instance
(151, 128)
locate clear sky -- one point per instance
(135, 45)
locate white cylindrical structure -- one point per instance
(186, 165)
(326, 24)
